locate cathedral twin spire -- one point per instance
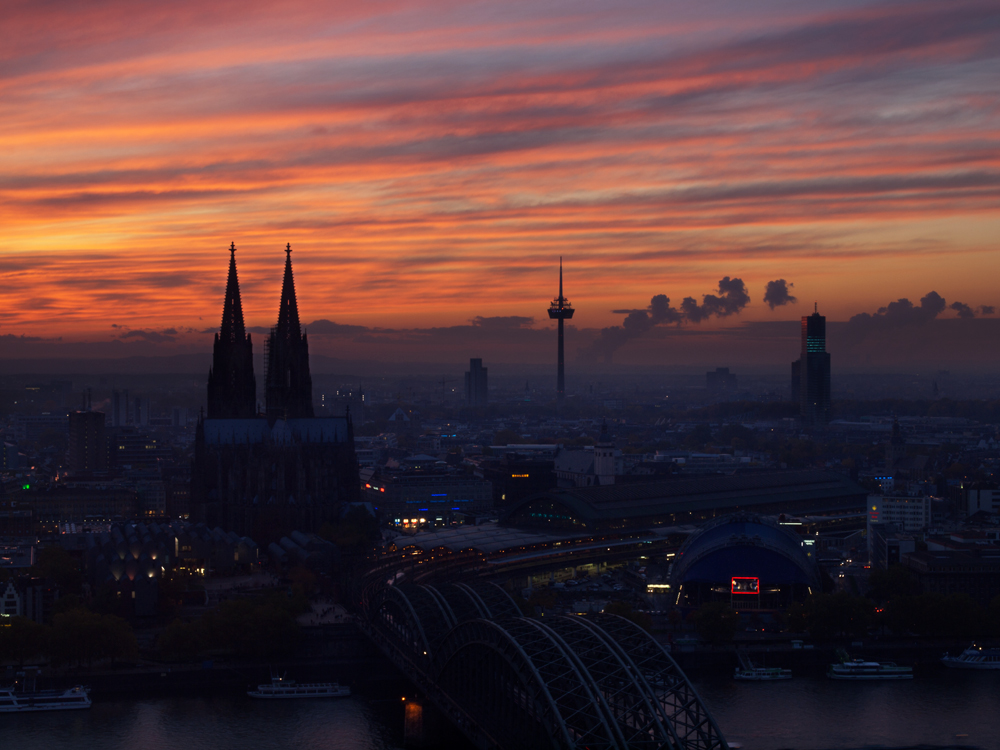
(289, 384)
(232, 310)
(232, 387)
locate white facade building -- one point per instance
(977, 500)
(905, 513)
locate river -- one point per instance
(946, 708)
(942, 708)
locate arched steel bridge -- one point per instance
(508, 681)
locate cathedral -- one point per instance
(267, 473)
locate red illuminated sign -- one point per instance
(743, 585)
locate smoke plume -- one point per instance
(903, 313)
(776, 293)
(730, 300)
(963, 310)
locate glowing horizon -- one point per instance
(430, 162)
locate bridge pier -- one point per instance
(413, 724)
(426, 727)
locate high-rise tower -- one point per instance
(289, 384)
(561, 310)
(476, 388)
(88, 446)
(232, 388)
(811, 372)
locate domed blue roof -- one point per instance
(744, 545)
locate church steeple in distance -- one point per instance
(289, 383)
(232, 388)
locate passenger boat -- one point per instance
(12, 700)
(974, 657)
(283, 688)
(762, 674)
(859, 669)
(750, 672)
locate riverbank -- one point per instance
(923, 656)
(340, 652)
(329, 653)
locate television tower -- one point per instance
(560, 310)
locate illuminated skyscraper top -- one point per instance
(811, 372)
(813, 332)
(561, 310)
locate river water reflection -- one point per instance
(200, 723)
(947, 708)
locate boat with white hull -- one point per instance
(974, 657)
(15, 701)
(859, 669)
(748, 671)
(280, 688)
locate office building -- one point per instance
(140, 413)
(903, 512)
(119, 408)
(515, 472)
(476, 391)
(424, 491)
(88, 446)
(886, 545)
(721, 381)
(811, 373)
(29, 428)
(978, 498)
(975, 572)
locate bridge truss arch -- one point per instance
(568, 682)
(573, 682)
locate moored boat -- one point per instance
(284, 688)
(762, 674)
(13, 701)
(974, 657)
(750, 672)
(859, 669)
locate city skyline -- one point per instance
(431, 163)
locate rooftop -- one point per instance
(822, 491)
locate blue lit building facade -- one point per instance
(811, 372)
(427, 495)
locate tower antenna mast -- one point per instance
(561, 310)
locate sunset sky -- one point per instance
(429, 163)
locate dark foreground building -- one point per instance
(263, 475)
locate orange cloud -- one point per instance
(429, 164)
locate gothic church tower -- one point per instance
(232, 388)
(289, 384)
